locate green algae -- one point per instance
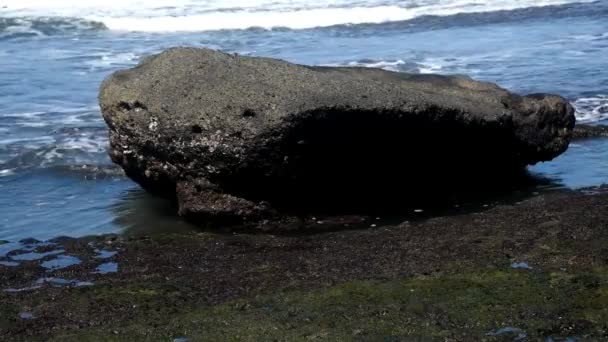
(463, 306)
(446, 279)
(8, 315)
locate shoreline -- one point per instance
(392, 180)
(542, 258)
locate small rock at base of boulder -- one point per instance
(582, 131)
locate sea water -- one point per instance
(56, 178)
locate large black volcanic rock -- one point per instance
(240, 139)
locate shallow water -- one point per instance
(60, 262)
(585, 164)
(56, 178)
(108, 267)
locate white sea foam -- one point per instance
(111, 60)
(54, 115)
(590, 109)
(7, 172)
(25, 139)
(192, 15)
(430, 68)
(590, 37)
(20, 26)
(415, 64)
(85, 143)
(39, 26)
(394, 65)
(28, 115)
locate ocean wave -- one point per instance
(591, 109)
(191, 15)
(52, 115)
(111, 60)
(414, 64)
(6, 172)
(392, 65)
(45, 26)
(66, 146)
(591, 37)
(69, 151)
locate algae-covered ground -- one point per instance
(534, 270)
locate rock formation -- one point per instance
(244, 140)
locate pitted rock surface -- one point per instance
(244, 140)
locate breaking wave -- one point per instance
(591, 109)
(191, 15)
(45, 26)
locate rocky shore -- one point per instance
(341, 169)
(533, 269)
(588, 132)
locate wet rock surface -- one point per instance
(258, 142)
(445, 278)
(582, 131)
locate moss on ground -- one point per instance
(455, 307)
(444, 279)
(8, 314)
